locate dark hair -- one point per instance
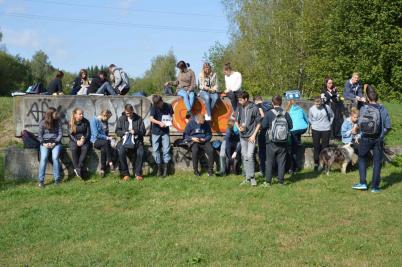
(258, 98)
(244, 95)
(182, 64)
(372, 95)
(59, 74)
(277, 100)
(49, 119)
(112, 66)
(102, 72)
(128, 107)
(227, 66)
(156, 99)
(84, 71)
(326, 81)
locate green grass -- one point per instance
(6, 107)
(184, 220)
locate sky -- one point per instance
(128, 33)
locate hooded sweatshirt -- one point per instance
(193, 129)
(250, 116)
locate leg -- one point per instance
(166, 147)
(262, 152)
(75, 154)
(214, 98)
(269, 163)
(139, 159)
(222, 158)
(250, 170)
(123, 161)
(183, 94)
(99, 144)
(364, 149)
(56, 162)
(325, 139)
(207, 100)
(377, 163)
(156, 148)
(294, 148)
(210, 153)
(233, 100)
(83, 155)
(195, 148)
(316, 146)
(44, 153)
(191, 99)
(281, 161)
(106, 88)
(244, 144)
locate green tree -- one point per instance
(40, 67)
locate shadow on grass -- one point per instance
(392, 179)
(300, 176)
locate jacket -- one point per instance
(352, 90)
(50, 135)
(97, 131)
(232, 141)
(385, 119)
(211, 81)
(193, 129)
(185, 80)
(137, 124)
(77, 84)
(299, 118)
(96, 83)
(346, 132)
(119, 84)
(250, 116)
(83, 129)
(55, 86)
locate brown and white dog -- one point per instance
(342, 155)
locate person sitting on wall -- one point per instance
(55, 86)
(198, 133)
(208, 85)
(120, 83)
(97, 82)
(131, 129)
(81, 83)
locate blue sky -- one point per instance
(128, 33)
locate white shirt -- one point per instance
(233, 82)
(130, 124)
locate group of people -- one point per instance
(253, 124)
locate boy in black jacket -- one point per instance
(199, 134)
(276, 146)
(131, 129)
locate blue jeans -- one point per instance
(158, 141)
(106, 88)
(365, 145)
(44, 153)
(188, 97)
(210, 100)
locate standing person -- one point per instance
(331, 98)
(97, 82)
(350, 129)
(120, 84)
(277, 125)
(233, 81)
(49, 136)
(300, 126)
(131, 129)
(230, 153)
(55, 86)
(80, 136)
(262, 153)
(374, 123)
(81, 83)
(249, 123)
(185, 84)
(321, 118)
(161, 119)
(199, 134)
(101, 140)
(353, 90)
(208, 84)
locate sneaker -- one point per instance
(139, 178)
(207, 117)
(360, 186)
(253, 182)
(77, 172)
(112, 169)
(126, 178)
(41, 185)
(266, 184)
(245, 182)
(102, 173)
(197, 173)
(375, 190)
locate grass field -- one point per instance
(184, 220)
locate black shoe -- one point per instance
(41, 185)
(197, 173)
(210, 173)
(165, 169)
(159, 171)
(57, 183)
(220, 174)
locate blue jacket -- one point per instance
(346, 131)
(352, 90)
(193, 129)
(385, 120)
(232, 140)
(97, 131)
(299, 118)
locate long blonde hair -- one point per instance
(291, 102)
(73, 125)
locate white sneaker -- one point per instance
(253, 182)
(207, 117)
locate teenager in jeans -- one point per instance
(161, 119)
(300, 126)
(80, 135)
(248, 122)
(230, 153)
(321, 118)
(277, 149)
(233, 81)
(49, 136)
(185, 84)
(374, 141)
(208, 85)
(199, 134)
(101, 140)
(350, 129)
(130, 125)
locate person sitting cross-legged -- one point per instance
(199, 134)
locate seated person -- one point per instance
(120, 82)
(55, 86)
(230, 153)
(350, 129)
(97, 82)
(81, 84)
(199, 134)
(131, 129)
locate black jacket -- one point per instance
(95, 84)
(83, 129)
(76, 85)
(55, 86)
(270, 117)
(138, 126)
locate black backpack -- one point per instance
(370, 121)
(29, 139)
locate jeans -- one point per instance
(210, 101)
(188, 97)
(247, 152)
(106, 88)
(44, 154)
(320, 141)
(158, 141)
(295, 137)
(277, 154)
(206, 148)
(137, 152)
(262, 152)
(233, 96)
(106, 152)
(365, 145)
(79, 153)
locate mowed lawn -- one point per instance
(184, 220)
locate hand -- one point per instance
(234, 155)
(109, 138)
(242, 128)
(166, 83)
(252, 139)
(52, 145)
(162, 124)
(46, 145)
(202, 140)
(195, 139)
(79, 143)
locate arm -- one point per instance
(208, 134)
(215, 83)
(331, 114)
(40, 132)
(238, 82)
(59, 86)
(141, 128)
(59, 132)
(88, 133)
(201, 82)
(192, 84)
(387, 122)
(94, 129)
(117, 78)
(120, 132)
(187, 132)
(347, 92)
(289, 120)
(346, 131)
